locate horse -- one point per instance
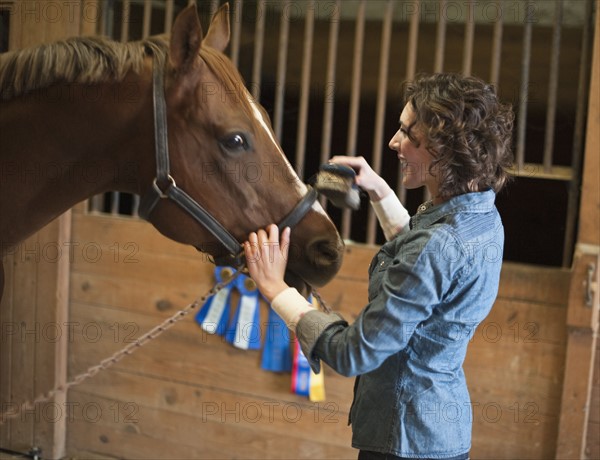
(168, 118)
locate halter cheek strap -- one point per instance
(164, 186)
(164, 178)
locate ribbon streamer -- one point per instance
(244, 329)
(300, 372)
(277, 354)
(214, 314)
(305, 382)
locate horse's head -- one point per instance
(224, 155)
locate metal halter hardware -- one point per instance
(171, 191)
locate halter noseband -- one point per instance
(171, 191)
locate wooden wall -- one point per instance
(187, 394)
(191, 395)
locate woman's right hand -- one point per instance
(366, 178)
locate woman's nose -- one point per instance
(394, 143)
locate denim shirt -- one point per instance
(429, 288)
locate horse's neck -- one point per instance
(66, 143)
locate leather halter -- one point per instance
(164, 186)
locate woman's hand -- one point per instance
(266, 258)
(366, 177)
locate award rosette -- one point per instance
(244, 330)
(214, 314)
(277, 353)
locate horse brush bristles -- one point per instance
(336, 183)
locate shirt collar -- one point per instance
(474, 202)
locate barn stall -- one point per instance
(97, 278)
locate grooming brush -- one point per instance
(336, 183)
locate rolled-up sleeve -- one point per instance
(392, 216)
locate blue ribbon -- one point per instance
(300, 372)
(214, 314)
(277, 355)
(244, 330)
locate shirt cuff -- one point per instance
(311, 329)
(291, 306)
(392, 216)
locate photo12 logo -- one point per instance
(72, 411)
(88, 252)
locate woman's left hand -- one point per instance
(266, 258)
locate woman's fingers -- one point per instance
(285, 239)
(354, 162)
(263, 243)
(267, 259)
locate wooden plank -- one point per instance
(61, 19)
(556, 172)
(529, 283)
(45, 347)
(326, 422)
(589, 212)
(119, 231)
(6, 350)
(90, 16)
(22, 364)
(592, 444)
(60, 316)
(582, 323)
(132, 294)
(162, 433)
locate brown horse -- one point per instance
(80, 117)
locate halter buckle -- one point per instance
(158, 190)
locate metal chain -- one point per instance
(129, 349)
(133, 346)
(322, 302)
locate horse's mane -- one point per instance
(89, 60)
(83, 60)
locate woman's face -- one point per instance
(412, 153)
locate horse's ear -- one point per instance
(186, 39)
(218, 33)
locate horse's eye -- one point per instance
(235, 143)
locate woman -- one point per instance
(430, 285)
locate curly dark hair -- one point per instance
(467, 130)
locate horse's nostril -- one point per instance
(324, 252)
